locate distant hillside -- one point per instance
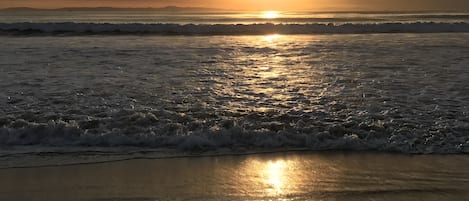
(162, 9)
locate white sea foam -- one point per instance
(231, 29)
(60, 134)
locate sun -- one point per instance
(270, 14)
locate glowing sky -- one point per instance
(318, 5)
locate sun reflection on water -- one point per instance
(271, 76)
(270, 178)
(271, 38)
(274, 176)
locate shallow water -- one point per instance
(327, 176)
(391, 92)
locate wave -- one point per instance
(229, 29)
(225, 136)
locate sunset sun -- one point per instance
(270, 14)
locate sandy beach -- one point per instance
(280, 176)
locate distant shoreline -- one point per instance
(204, 9)
(167, 8)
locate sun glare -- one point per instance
(275, 176)
(271, 38)
(270, 14)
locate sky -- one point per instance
(313, 5)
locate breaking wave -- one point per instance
(229, 29)
(139, 131)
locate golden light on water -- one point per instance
(274, 176)
(270, 77)
(272, 37)
(270, 14)
(279, 177)
(269, 178)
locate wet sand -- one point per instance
(281, 176)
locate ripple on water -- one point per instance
(359, 92)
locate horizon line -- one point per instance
(182, 8)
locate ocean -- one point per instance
(145, 105)
(234, 81)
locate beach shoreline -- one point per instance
(276, 176)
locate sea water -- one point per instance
(325, 176)
(235, 81)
